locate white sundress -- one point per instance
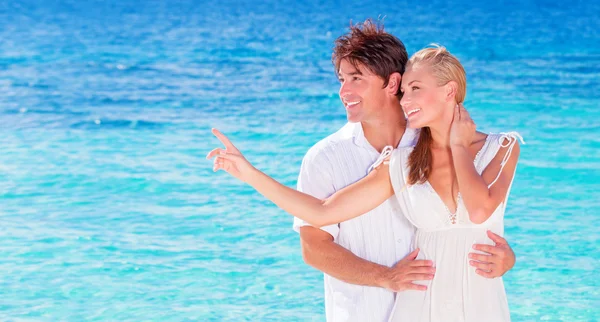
(456, 293)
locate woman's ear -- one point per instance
(394, 83)
(451, 88)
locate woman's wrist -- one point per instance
(458, 147)
(254, 176)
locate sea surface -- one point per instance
(110, 212)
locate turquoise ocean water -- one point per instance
(109, 211)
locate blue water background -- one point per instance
(109, 210)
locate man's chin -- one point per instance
(353, 118)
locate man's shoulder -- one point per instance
(327, 147)
(410, 138)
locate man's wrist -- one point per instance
(382, 277)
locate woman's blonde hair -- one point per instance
(445, 68)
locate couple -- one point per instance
(409, 197)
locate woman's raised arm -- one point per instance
(345, 204)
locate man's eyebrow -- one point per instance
(355, 72)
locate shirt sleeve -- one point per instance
(315, 180)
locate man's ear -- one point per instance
(451, 88)
(394, 83)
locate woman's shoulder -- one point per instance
(500, 146)
(504, 139)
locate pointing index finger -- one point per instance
(223, 139)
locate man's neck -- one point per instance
(384, 131)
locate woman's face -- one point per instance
(424, 101)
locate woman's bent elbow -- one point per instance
(316, 221)
(320, 218)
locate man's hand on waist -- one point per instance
(402, 276)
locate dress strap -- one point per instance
(512, 138)
(387, 152)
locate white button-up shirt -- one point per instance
(382, 235)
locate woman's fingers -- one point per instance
(223, 153)
(222, 163)
(214, 152)
(227, 161)
(456, 113)
(217, 164)
(226, 142)
(464, 115)
(229, 156)
(461, 112)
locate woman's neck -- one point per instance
(440, 132)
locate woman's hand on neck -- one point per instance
(454, 129)
(462, 129)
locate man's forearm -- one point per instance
(336, 261)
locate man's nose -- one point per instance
(344, 90)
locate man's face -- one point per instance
(361, 91)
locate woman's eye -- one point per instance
(355, 78)
(414, 88)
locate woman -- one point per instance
(453, 186)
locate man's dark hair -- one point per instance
(368, 44)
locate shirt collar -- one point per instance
(408, 139)
(359, 136)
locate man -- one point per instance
(366, 259)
